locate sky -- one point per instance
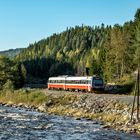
(23, 22)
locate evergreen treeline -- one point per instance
(12, 74)
(112, 52)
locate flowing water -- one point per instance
(23, 124)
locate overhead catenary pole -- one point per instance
(133, 106)
(136, 93)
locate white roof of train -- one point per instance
(57, 78)
(79, 78)
(71, 78)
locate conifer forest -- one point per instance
(113, 52)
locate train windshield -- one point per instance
(97, 82)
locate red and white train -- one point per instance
(85, 83)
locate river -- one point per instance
(23, 124)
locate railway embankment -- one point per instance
(114, 111)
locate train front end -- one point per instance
(97, 84)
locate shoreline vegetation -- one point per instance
(114, 111)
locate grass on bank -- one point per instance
(35, 97)
(29, 97)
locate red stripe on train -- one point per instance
(86, 87)
(55, 86)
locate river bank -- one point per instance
(112, 110)
(22, 124)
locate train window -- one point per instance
(84, 81)
(67, 81)
(63, 81)
(77, 81)
(98, 81)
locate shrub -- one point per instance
(8, 85)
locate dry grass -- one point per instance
(31, 97)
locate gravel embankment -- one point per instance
(112, 109)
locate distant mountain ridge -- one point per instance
(11, 52)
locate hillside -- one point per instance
(112, 52)
(11, 52)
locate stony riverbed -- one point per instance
(24, 124)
